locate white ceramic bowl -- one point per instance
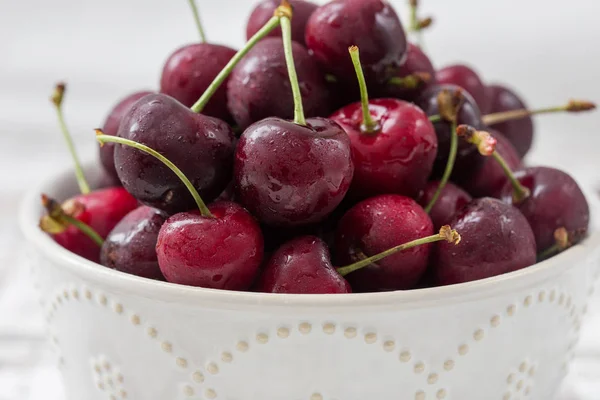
(122, 337)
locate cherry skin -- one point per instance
(451, 200)
(378, 224)
(466, 78)
(468, 159)
(398, 157)
(302, 266)
(556, 201)
(191, 69)
(416, 62)
(496, 239)
(224, 252)
(202, 147)
(372, 25)
(131, 246)
(265, 9)
(491, 178)
(101, 210)
(290, 175)
(518, 131)
(111, 127)
(259, 86)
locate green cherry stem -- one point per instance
(57, 99)
(435, 118)
(196, 15)
(286, 33)
(572, 106)
(448, 170)
(520, 192)
(220, 78)
(102, 138)
(84, 228)
(446, 233)
(369, 125)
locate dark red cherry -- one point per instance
(220, 252)
(131, 246)
(202, 147)
(491, 178)
(111, 127)
(496, 239)
(378, 224)
(288, 175)
(555, 201)
(302, 266)
(398, 156)
(101, 210)
(191, 69)
(372, 25)
(518, 131)
(451, 199)
(468, 159)
(259, 86)
(416, 62)
(264, 10)
(466, 78)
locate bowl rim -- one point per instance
(117, 281)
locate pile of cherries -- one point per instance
(271, 169)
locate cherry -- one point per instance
(378, 224)
(111, 127)
(219, 247)
(555, 201)
(465, 110)
(496, 239)
(463, 76)
(264, 10)
(302, 266)
(393, 143)
(291, 173)
(259, 86)
(451, 199)
(372, 25)
(413, 77)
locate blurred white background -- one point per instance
(104, 50)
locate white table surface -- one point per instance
(106, 49)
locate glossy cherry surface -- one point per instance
(101, 210)
(264, 10)
(131, 246)
(496, 239)
(519, 131)
(224, 252)
(463, 76)
(491, 178)
(302, 266)
(202, 147)
(111, 127)
(372, 25)
(452, 198)
(191, 69)
(378, 224)
(288, 174)
(556, 201)
(468, 159)
(259, 86)
(398, 157)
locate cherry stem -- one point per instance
(562, 242)
(572, 106)
(520, 192)
(369, 124)
(435, 118)
(220, 78)
(57, 99)
(414, 19)
(102, 138)
(412, 81)
(286, 33)
(448, 170)
(85, 229)
(446, 233)
(196, 15)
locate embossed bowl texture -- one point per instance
(122, 337)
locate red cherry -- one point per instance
(466, 78)
(451, 199)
